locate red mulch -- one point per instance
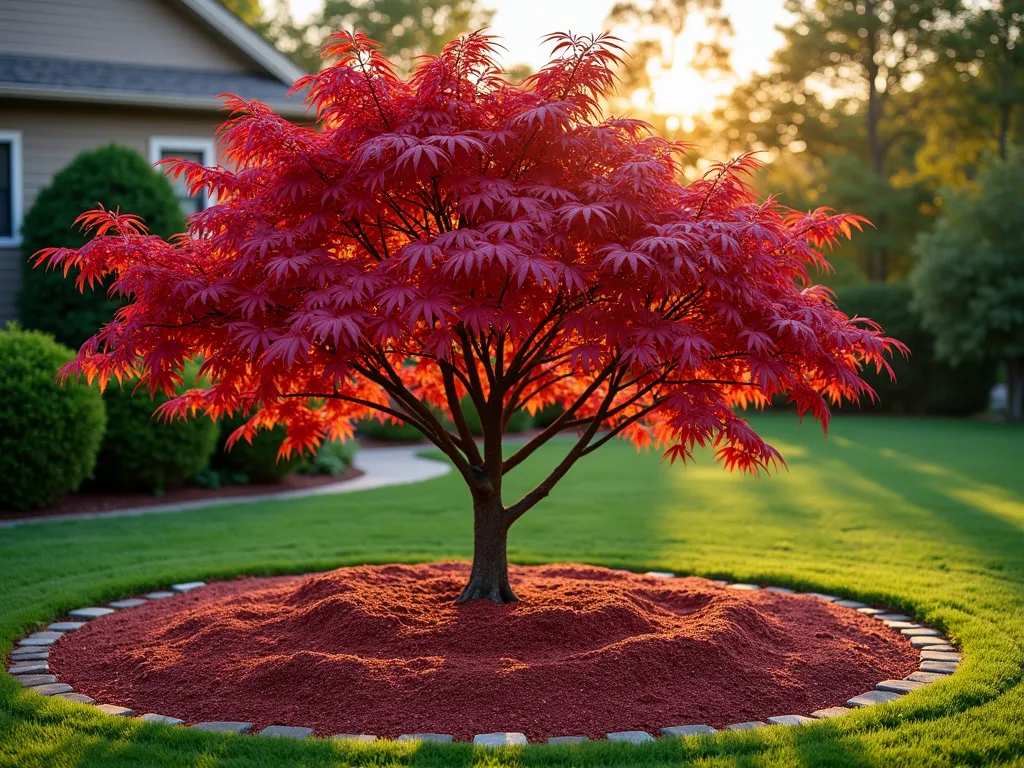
(384, 650)
(84, 502)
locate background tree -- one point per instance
(969, 284)
(455, 236)
(248, 11)
(843, 88)
(407, 28)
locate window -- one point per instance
(10, 188)
(196, 150)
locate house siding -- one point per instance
(53, 134)
(151, 32)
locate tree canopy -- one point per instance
(453, 234)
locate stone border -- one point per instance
(939, 659)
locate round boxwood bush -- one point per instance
(141, 452)
(49, 434)
(112, 175)
(257, 460)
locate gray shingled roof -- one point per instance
(99, 77)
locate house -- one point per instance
(78, 74)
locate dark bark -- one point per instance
(878, 259)
(1015, 389)
(489, 578)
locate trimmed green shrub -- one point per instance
(518, 422)
(332, 459)
(923, 383)
(546, 416)
(257, 460)
(49, 434)
(141, 452)
(388, 431)
(115, 176)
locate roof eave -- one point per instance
(134, 99)
(245, 39)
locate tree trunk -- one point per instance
(489, 577)
(1015, 389)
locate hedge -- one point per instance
(49, 434)
(924, 384)
(141, 452)
(257, 460)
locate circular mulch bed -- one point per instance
(384, 650)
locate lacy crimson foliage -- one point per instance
(455, 233)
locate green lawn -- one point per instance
(923, 515)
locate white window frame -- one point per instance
(13, 138)
(158, 145)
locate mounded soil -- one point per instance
(384, 650)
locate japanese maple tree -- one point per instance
(457, 234)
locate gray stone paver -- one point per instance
(78, 698)
(66, 626)
(286, 732)
(929, 655)
(749, 725)
(188, 586)
(633, 737)
(153, 717)
(114, 710)
(661, 574)
(22, 658)
(892, 617)
(90, 613)
(871, 698)
(160, 595)
(927, 642)
(901, 625)
(926, 677)
(940, 648)
(430, 738)
(744, 587)
(871, 611)
(921, 632)
(223, 726)
(132, 602)
(830, 712)
(40, 638)
(780, 590)
(567, 739)
(28, 681)
(503, 739)
(362, 738)
(790, 720)
(687, 730)
(942, 667)
(52, 690)
(851, 604)
(823, 596)
(29, 668)
(899, 686)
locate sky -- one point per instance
(522, 23)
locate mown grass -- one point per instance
(923, 515)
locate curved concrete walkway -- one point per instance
(398, 465)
